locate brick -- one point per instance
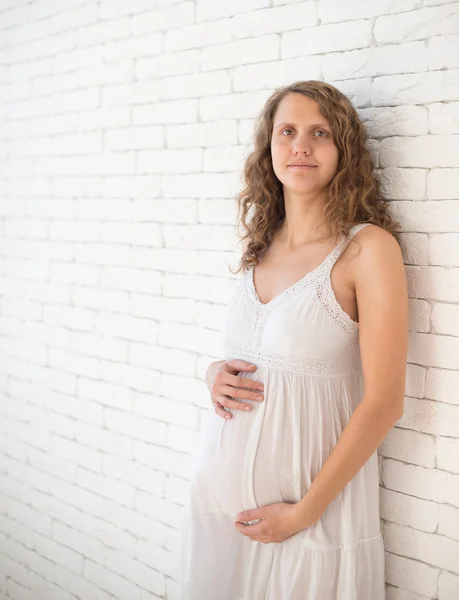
(417, 24)
(124, 131)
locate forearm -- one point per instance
(364, 432)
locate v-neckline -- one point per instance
(292, 287)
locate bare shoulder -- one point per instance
(375, 241)
(375, 249)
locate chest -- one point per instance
(270, 281)
(302, 324)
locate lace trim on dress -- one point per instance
(296, 364)
(319, 277)
(326, 294)
(261, 311)
(328, 300)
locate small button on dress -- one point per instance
(307, 353)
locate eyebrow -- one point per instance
(313, 125)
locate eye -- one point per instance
(319, 130)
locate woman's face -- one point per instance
(301, 133)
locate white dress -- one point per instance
(306, 349)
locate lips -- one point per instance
(301, 165)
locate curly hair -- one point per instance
(354, 194)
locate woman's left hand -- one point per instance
(278, 522)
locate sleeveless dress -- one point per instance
(306, 349)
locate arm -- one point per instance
(381, 289)
(213, 366)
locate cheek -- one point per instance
(330, 156)
(335, 158)
(279, 147)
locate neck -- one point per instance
(304, 221)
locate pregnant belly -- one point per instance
(243, 462)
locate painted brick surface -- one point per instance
(124, 126)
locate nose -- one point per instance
(302, 144)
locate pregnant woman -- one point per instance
(283, 501)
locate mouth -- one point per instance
(302, 166)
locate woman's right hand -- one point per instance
(224, 384)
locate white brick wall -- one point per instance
(124, 126)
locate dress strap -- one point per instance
(357, 228)
(324, 288)
(345, 242)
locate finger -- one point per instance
(224, 377)
(237, 364)
(245, 383)
(236, 380)
(231, 386)
(228, 402)
(244, 394)
(221, 411)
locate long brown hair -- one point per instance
(354, 194)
